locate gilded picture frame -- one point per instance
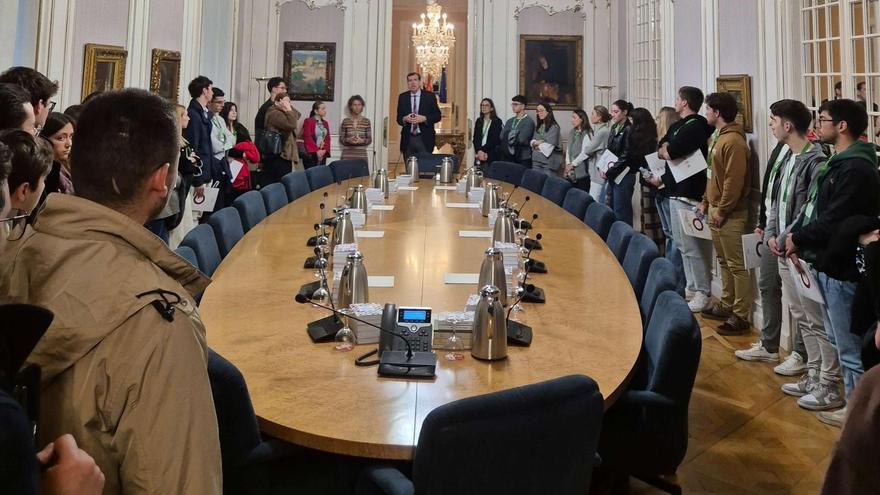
(740, 86)
(103, 68)
(165, 74)
(310, 70)
(551, 70)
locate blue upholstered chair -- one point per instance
(507, 171)
(251, 208)
(297, 185)
(429, 163)
(555, 189)
(533, 180)
(599, 218)
(661, 278)
(274, 196)
(201, 240)
(576, 202)
(645, 433)
(347, 169)
(227, 229)
(319, 176)
(637, 263)
(188, 254)
(618, 239)
(536, 439)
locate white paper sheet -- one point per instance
(383, 207)
(693, 226)
(753, 250)
(235, 167)
(380, 281)
(486, 234)
(369, 234)
(656, 164)
(804, 281)
(606, 160)
(408, 188)
(463, 205)
(686, 167)
(445, 188)
(207, 203)
(461, 278)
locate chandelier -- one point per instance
(433, 38)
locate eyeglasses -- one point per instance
(52, 105)
(820, 120)
(14, 226)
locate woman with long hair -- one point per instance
(189, 166)
(355, 132)
(487, 135)
(665, 118)
(639, 140)
(585, 144)
(316, 135)
(58, 130)
(650, 187)
(546, 150)
(230, 116)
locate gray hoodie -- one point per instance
(806, 168)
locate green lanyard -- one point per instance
(572, 149)
(516, 121)
(715, 136)
(681, 127)
(775, 168)
(814, 189)
(541, 131)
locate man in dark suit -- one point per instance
(417, 112)
(198, 133)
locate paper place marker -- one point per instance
(380, 281)
(445, 188)
(383, 207)
(461, 278)
(485, 234)
(408, 188)
(369, 234)
(463, 205)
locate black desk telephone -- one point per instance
(411, 323)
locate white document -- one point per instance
(486, 234)
(606, 160)
(207, 202)
(358, 218)
(753, 250)
(463, 205)
(693, 226)
(380, 281)
(235, 167)
(445, 188)
(804, 281)
(369, 234)
(408, 188)
(656, 164)
(461, 278)
(686, 167)
(383, 207)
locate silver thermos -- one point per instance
(504, 230)
(472, 179)
(490, 199)
(447, 170)
(492, 273)
(489, 339)
(380, 181)
(343, 231)
(358, 199)
(412, 168)
(353, 286)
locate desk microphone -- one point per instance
(391, 363)
(531, 244)
(535, 266)
(521, 208)
(518, 334)
(532, 293)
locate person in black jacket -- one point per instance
(848, 184)
(487, 135)
(215, 172)
(417, 112)
(275, 85)
(630, 143)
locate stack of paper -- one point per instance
(370, 312)
(403, 180)
(358, 218)
(393, 186)
(461, 186)
(510, 252)
(476, 195)
(340, 253)
(375, 196)
(493, 215)
(461, 322)
(472, 301)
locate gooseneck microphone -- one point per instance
(522, 206)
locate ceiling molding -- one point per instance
(552, 7)
(314, 4)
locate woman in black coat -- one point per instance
(487, 135)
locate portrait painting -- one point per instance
(740, 87)
(309, 69)
(551, 69)
(165, 74)
(103, 68)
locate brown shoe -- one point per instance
(716, 312)
(734, 326)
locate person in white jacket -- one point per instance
(583, 166)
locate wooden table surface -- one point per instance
(313, 395)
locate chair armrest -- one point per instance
(387, 479)
(646, 398)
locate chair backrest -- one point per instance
(535, 439)
(533, 180)
(661, 278)
(347, 169)
(251, 208)
(319, 176)
(576, 202)
(618, 239)
(201, 240)
(297, 185)
(555, 189)
(507, 171)
(227, 228)
(188, 254)
(637, 263)
(274, 196)
(599, 218)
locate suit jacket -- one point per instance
(198, 134)
(427, 107)
(491, 146)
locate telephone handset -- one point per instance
(389, 322)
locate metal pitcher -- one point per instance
(412, 168)
(380, 181)
(353, 286)
(447, 170)
(472, 179)
(492, 273)
(504, 230)
(343, 231)
(358, 199)
(490, 199)
(489, 339)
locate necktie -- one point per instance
(414, 128)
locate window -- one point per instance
(645, 64)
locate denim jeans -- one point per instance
(621, 197)
(696, 253)
(838, 296)
(673, 254)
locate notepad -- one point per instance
(462, 205)
(461, 278)
(380, 281)
(408, 188)
(487, 234)
(445, 188)
(383, 207)
(369, 234)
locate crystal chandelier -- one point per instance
(432, 38)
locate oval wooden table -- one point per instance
(313, 395)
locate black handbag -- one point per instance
(271, 143)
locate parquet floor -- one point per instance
(746, 436)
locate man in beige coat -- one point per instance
(125, 360)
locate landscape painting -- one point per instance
(309, 69)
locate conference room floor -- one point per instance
(746, 436)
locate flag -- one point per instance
(443, 86)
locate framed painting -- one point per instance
(740, 86)
(165, 74)
(551, 69)
(103, 68)
(310, 69)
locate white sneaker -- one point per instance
(688, 295)
(833, 418)
(803, 386)
(793, 365)
(822, 398)
(699, 302)
(757, 353)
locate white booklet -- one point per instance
(804, 281)
(206, 203)
(693, 226)
(656, 164)
(688, 166)
(753, 250)
(605, 161)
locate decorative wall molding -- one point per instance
(314, 4)
(552, 7)
(137, 68)
(55, 46)
(192, 46)
(710, 43)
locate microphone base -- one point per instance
(312, 242)
(518, 334)
(533, 244)
(309, 289)
(395, 364)
(535, 296)
(524, 224)
(324, 330)
(535, 266)
(310, 262)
